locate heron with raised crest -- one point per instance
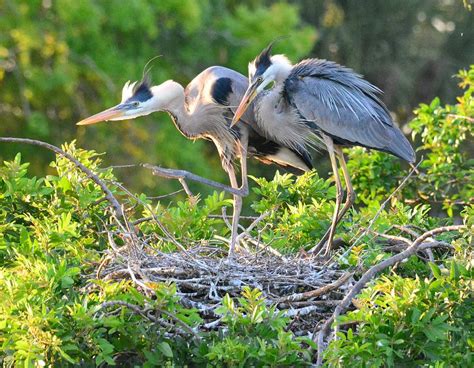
(319, 102)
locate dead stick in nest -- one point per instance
(314, 293)
(369, 275)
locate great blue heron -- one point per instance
(204, 109)
(321, 99)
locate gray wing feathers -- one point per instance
(345, 106)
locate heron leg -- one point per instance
(244, 188)
(242, 147)
(350, 196)
(327, 238)
(236, 213)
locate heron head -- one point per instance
(137, 100)
(264, 70)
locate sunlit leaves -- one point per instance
(409, 320)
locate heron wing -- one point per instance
(343, 105)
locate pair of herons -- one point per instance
(276, 116)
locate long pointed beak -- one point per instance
(249, 96)
(112, 113)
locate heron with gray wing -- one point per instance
(204, 109)
(320, 102)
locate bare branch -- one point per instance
(314, 293)
(252, 225)
(183, 174)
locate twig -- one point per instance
(314, 293)
(468, 118)
(407, 230)
(302, 311)
(229, 217)
(183, 174)
(224, 217)
(368, 275)
(252, 225)
(186, 188)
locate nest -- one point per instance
(303, 288)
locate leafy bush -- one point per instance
(254, 336)
(52, 238)
(427, 322)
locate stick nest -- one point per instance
(304, 288)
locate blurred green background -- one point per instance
(62, 60)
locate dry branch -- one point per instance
(183, 174)
(315, 293)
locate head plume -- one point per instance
(264, 60)
(139, 91)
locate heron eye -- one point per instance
(259, 79)
(135, 104)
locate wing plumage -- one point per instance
(343, 105)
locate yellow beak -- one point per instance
(249, 96)
(112, 113)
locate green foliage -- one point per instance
(374, 179)
(300, 208)
(191, 220)
(444, 130)
(255, 336)
(257, 25)
(427, 322)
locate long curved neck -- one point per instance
(171, 99)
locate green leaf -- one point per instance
(165, 348)
(435, 270)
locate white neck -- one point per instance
(170, 97)
(280, 68)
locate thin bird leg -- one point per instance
(242, 147)
(350, 196)
(331, 150)
(243, 164)
(236, 213)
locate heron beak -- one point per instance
(112, 113)
(249, 96)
